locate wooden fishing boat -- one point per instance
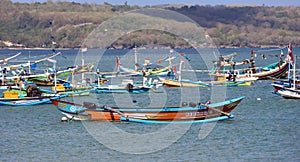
(290, 89)
(188, 83)
(187, 112)
(178, 82)
(196, 121)
(29, 101)
(182, 83)
(289, 93)
(14, 98)
(274, 70)
(46, 81)
(61, 73)
(148, 68)
(163, 72)
(261, 73)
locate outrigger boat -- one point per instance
(192, 112)
(274, 70)
(178, 82)
(146, 71)
(30, 97)
(288, 90)
(46, 78)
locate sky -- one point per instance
(186, 2)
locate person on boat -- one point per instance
(233, 65)
(233, 77)
(229, 78)
(49, 78)
(33, 91)
(145, 78)
(21, 83)
(129, 87)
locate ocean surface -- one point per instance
(266, 127)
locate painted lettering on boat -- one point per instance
(198, 113)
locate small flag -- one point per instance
(83, 49)
(118, 63)
(290, 49)
(174, 70)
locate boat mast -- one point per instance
(29, 67)
(294, 74)
(179, 71)
(82, 63)
(55, 84)
(54, 68)
(135, 58)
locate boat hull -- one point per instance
(200, 112)
(289, 94)
(29, 101)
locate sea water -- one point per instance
(265, 127)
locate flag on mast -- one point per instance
(83, 48)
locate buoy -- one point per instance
(64, 119)
(258, 99)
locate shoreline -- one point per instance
(218, 47)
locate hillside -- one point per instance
(68, 24)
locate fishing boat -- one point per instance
(29, 97)
(185, 113)
(147, 70)
(72, 91)
(182, 83)
(188, 83)
(288, 90)
(179, 82)
(289, 93)
(274, 70)
(29, 101)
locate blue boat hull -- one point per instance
(177, 122)
(30, 102)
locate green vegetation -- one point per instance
(228, 26)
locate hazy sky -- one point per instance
(192, 2)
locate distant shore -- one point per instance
(229, 47)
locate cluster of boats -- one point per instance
(20, 89)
